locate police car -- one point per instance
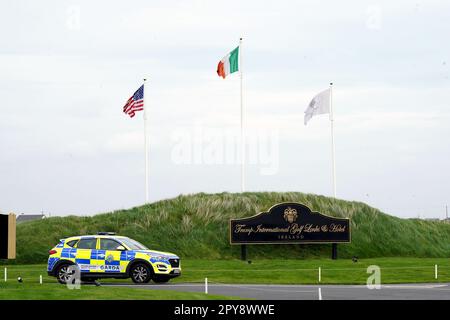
(106, 255)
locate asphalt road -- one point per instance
(311, 292)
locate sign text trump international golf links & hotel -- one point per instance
(289, 223)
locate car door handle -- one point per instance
(101, 255)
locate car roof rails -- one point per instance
(106, 233)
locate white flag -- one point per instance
(320, 104)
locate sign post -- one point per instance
(289, 223)
(243, 252)
(334, 251)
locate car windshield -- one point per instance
(133, 244)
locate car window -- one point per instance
(133, 244)
(89, 243)
(109, 244)
(71, 243)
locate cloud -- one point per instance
(126, 142)
(63, 89)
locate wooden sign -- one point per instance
(8, 236)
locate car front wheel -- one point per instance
(140, 273)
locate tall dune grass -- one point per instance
(196, 226)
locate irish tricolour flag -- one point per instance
(229, 63)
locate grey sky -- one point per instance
(67, 68)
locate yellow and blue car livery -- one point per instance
(110, 256)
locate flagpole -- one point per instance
(333, 159)
(242, 122)
(146, 145)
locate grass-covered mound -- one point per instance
(196, 226)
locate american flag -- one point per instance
(135, 103)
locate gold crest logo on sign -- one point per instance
(290, 215)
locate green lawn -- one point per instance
(13, 290)
(344, 271)
(393, 270)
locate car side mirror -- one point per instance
(121, 248)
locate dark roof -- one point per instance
(29, 217)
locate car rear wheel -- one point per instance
(65, 273)
(140, 273)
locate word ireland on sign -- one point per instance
(289, 223)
